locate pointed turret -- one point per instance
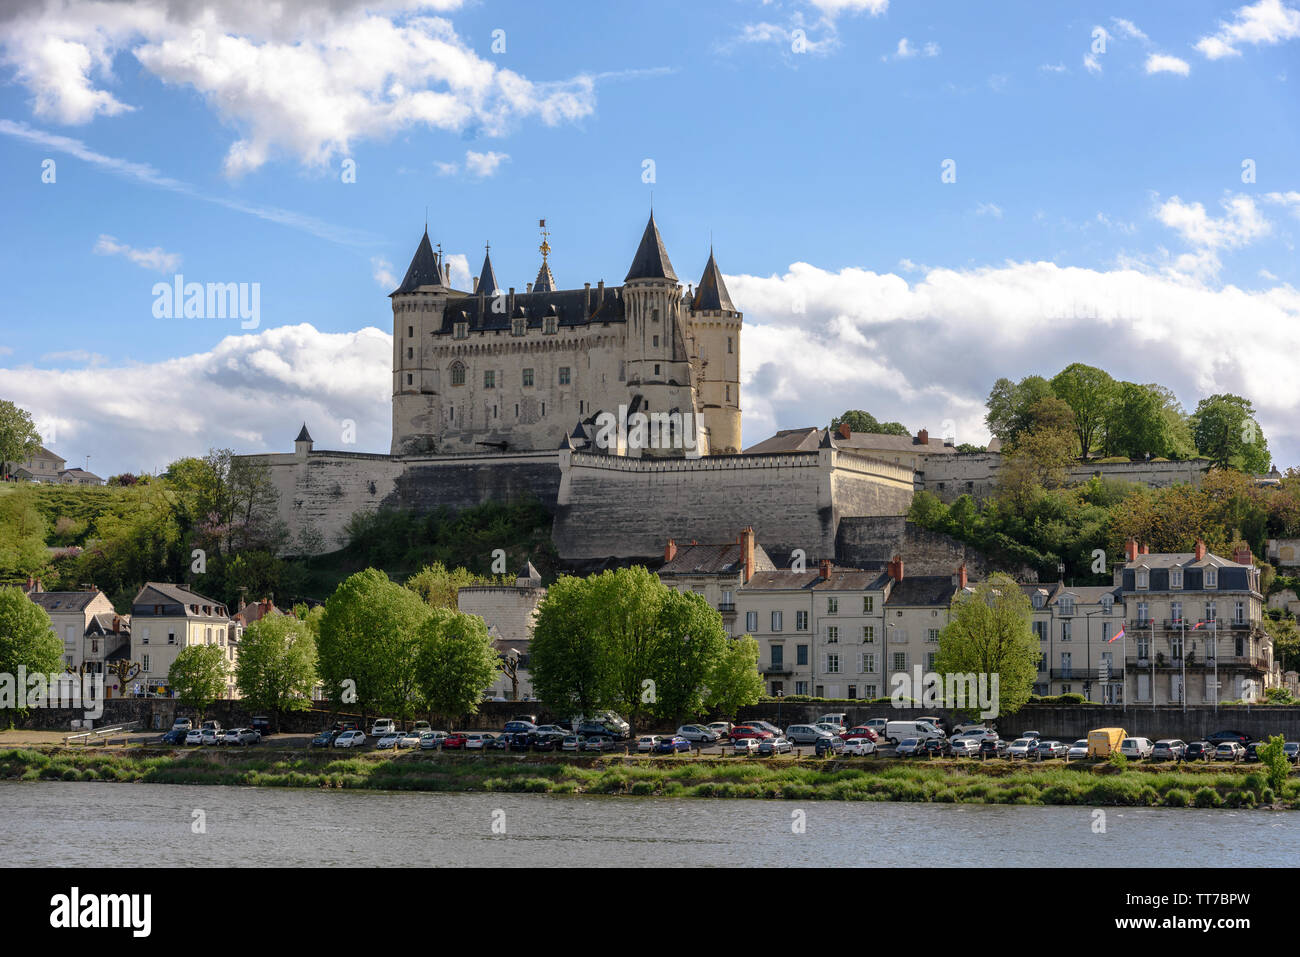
(304, 435)
(545, 280)
(712, 291)
(651, 260)
(424, 269)
(487, 280)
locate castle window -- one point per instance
(549, 325)
(528, 378)
(654, 317)
(517, 327)
(462, 330)
(410, 332)
(655, 342)
(728, 393)
(656, 368)
(728, 345)
(622, 372)
(494, 411)
(543, 408)
(410, 353)
(564, 375)
(489, 379)
(410, 380)
(457, 373)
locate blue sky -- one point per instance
(1098, 212)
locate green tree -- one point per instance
(860, 421)
(624, 607)
(276, 670)
(1039, 456)
(1286, 641)
(23, 532)
(735, 681)
(437, 585)
(1089, 392)
(369, 642)
(570, 662)
(198, 676)
(1011, 405)
(456, 662)
(691, 641)
(990, 633)
(27, 638)
(1276, 764)
(1227, 434)
(19, 439)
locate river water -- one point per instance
(103, 824)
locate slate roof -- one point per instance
(161, 593)
(712, 291)
(569, 306)
(1181, 560)
(788, 440)
(104, 621)
(923, 590)
(545, 281)
(487, 278)
(63, 601)
(651, 259)
(722, 559)
(424, 269)
(810, 438)
(304, 435)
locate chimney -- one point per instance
(1242, 555)
(747, 551)
(844, 431)
(826, 569)
(1131, 550)
(1200, 549)
(923, 437)
(895, 569)
(600, 292)
(1146, 549)
(475, 289)
(512, 302)
(961, 575)
(446, 275)
(670, 551)
(529, 288)
(586, 298)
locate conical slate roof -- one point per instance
(651, 260)
(712, 291)
(545, 280)
(487, 280)
(304, 435)
(423, 270)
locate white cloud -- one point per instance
(382, 271)
(1162, 63)
(460, 274)
(1128, 28)
(1267, 22)
(307, 81)
(156, 258)
(1091, 63)
(928, 351)
(833, 8)
(483, 164)
(249, 392)
(905, 50)
(989, 209)
(1289, 200)
(1054, 68)
(765, 32)
(1241, 225)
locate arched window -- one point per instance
(458, 373)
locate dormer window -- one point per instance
(1066, 605)
(1175, 578)
(1107, 603)
(550, 325)
(1211, 578)
(1143, 578)
(462, 330)
(517, 326)
(1038, 599)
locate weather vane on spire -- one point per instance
(545, 247)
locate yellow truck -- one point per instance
(1104, 741)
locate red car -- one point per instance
(453, 740)
(742, 731)
(860, 732)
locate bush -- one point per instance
(1207, 797)
(1177, 797)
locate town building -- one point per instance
(716, 572)
(43, 466)
(94, 636)
(510, 612)
(1074, 625)
(166, 618)
(79, 477)
(1193, 631)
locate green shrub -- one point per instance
(1177, 797)
(1207, 797)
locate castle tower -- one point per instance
(417, 314)
(715, 329)
(657, 358)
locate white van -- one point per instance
(896, 731)
(381, 727)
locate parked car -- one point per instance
(877, 725)
(519, 741)
(840, 718)
(932, 719)
(721, 728)
(897, 731)
(937, 747)
(861, 731)
(548, 740)
(1030, 734)
(1023, 748)
(382, 727)
(193, 736)
(1252, 752)
(241, 736)
(571, 742)
(1219, 737)
(745, 745)
(977, 734)
(498, 742)
(261, 724)
(175, 736)
(1292, 751)
(834, 727)
(742, 731)
(771, 729)
(697, 734)
(1229, 751)
(432, 740)
(1048, 750)
(831, 744)
(388, 741)
(672, 744)
(646, 743)
(805, 733)
(210, 725)
(517, 727)
(419, 727)
(859, 747)
(1077, 750)
(525, 718)
(972, 727)
(210, 736)
(775, 746)
(551, 729)
(911, 747)
(965, 747)
(454, 741)
(476, 740)
(408, 739)
(345, 726)
(1136, 748)
(182, 724)
(993, 749)
(325, 738)
(599, 742)
(1169, 749)
(1199, 751)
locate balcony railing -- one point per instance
(1200, 663)
(1087, 674)
(727, 607)
(778, 670)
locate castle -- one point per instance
(492, 369)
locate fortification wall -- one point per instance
(975, 473)
(867, 540)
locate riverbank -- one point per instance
(953, 782)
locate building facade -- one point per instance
(166, 618)
(510, 612)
